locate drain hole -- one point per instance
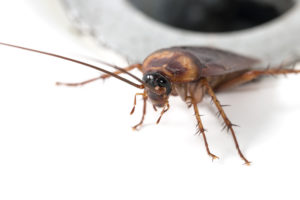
(213, 15)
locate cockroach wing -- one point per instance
(213, 62)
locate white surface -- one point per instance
(77, 143)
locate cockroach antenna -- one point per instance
(86, 64)
(188, 72)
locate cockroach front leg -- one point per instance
(79, 83)
(145, 97)
(225, 118)
(165, 109)
(104, 76)
(201, 129)
(134, 102)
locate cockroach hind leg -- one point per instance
(255, 74)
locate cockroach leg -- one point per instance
(202, 130)
(178, 71)
(154, 107)
(227, 122)
(165, 109)
(134, 103)
(253, 74)
(145, 97)
(79, 83)
(188, 101)
(127, 69)
(104, 76)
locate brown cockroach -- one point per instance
(188, 72)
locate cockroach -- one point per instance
(189, 72)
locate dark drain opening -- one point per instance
(213, 15)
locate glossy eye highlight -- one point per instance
(155, 79)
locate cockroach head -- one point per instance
(158, 88)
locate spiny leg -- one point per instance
(104, 76)
(165, 109)
(251, 75)
(145, 97)
(202, 130)
(225, 118)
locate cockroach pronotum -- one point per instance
(189, 72)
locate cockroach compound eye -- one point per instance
(157, 80)
(188, 72)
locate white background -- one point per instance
(77, 143)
